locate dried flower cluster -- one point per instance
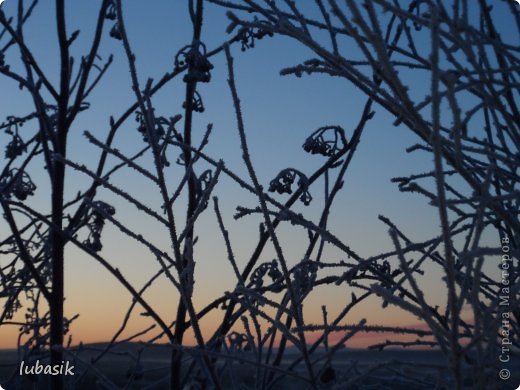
(466, 120)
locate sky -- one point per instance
(279, 113)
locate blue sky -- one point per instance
(279, 112)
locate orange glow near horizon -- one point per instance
(95, 326)
(99, 322)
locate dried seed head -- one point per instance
(115, 32)
(326, 141)
(283, 182)
(194, 57)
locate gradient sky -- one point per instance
(279, 113)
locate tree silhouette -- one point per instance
(467, 120)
